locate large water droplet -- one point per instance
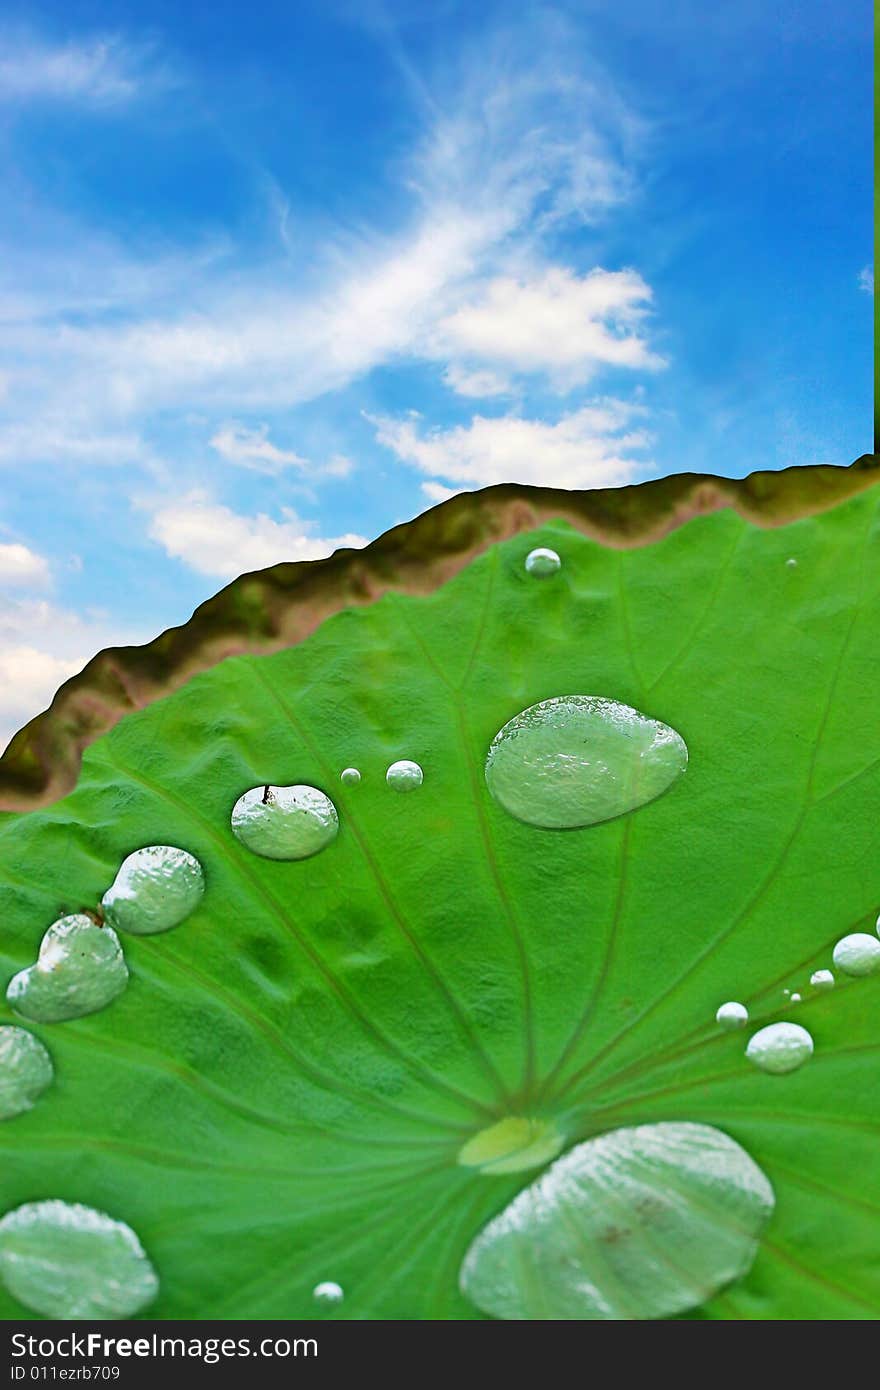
(328, 1292)
(780, 1048)
(155, 889)
(579, 759)
(512, 1145)
(542, 562)
(857, 954)
(404, 776)
(285, 822)
(70, 1261)
(639, 1223)
(350, 776)
(25, 1070)
(732, 1015)
(80, 969)
(822, 979)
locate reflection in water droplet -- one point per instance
(780, 1048)
(80, 969)
(511, 1145)
(732, 1015)
(792, 562)
(25, 1070)
(580, 759)
(404, 776)
(795, 999)
(350, 776)
(822, 979)
(69, 1261)
(155, 889)
(328, 1292)
(857, 954)
(639, 1223)
(542, 562)
(285, 822)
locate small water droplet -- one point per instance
(780, 1048)
(80, 969)
(25, 1070)
(290, 823)
(795, 999)
(350, 776)
(404, 776)
(579, 759)
(639, 1223)
(542, 562)
(328, 1292)
(732, 1015)
(857, 954)
(69, 1261)
(155, 889)
(822, 979)
(511, 1145)
(791, 562)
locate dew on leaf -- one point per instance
(155, 889)
(511, 1145)
(404, 776)
(350, 776)
(857, 954)
(795, 998)
(780, 1048)
(79, 970)
(732, 1015)
(69, 1261)
(579, 759)
(791, 562)
(25, 1070)
(285, 822)
(640, 1223)
(328, 1292)
(542, 562)
(822, 979)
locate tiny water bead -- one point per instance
(155, 889)
(857, 954)
(25, 1070)
(732, 1015)
(795, 999)
(791, 562)
(542, 562)
(79, 970)
(285, 822)
(580, 759)
(822, 979)
(404, 776)
(780, 1048)
(350, 776)
(328, 1293)
(511, 1145)
(640, 1223)
(69, 1261)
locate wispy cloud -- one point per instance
(252, 448)
(866, 279)
(99, 71)
(21, 565)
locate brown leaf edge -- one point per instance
(270, 609)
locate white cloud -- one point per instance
(437, 492)
(587, 448)
(252, 448)
(19, 565)
(866, 279)
(212, 539)
(102, 70)
(478, 383)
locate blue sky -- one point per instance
(276, 277)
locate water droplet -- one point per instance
(350, 776)
(70, 1261)
(639, 1223)
(404, 776)
(580, 759)
(512, 1145)
(791, 562)
(822, 979)
(780, 1048)
(328, 1292)
(155, 889)
(732, 1015)
(857, 954)
(795, 999)
(542, 562)
(80, 969)
(285, 822)
(25, 1070)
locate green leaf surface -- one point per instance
(281, 1094)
